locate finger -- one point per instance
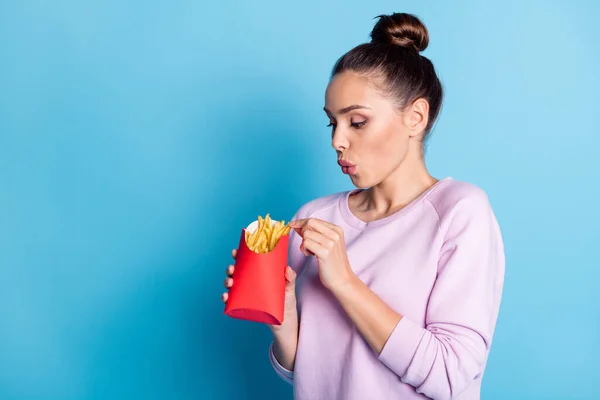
(228, 282)
(224, 297)
(319, 238)
(315, 248)
(317, 225)
(230, 270)
(290, 275)
(298, 228)
(329, 230)
(298, 223)
(304, 251)
(234, 253)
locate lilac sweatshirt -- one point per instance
(439, 262)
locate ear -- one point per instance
(416, 117)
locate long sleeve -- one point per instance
(283, 373)
(441, 358)
(296, 261)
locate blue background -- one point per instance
(137, 138)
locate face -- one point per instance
(370, 136)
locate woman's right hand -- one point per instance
(290, 314)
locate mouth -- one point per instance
(347, 167)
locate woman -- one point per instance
(398, 281)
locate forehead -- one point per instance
(349, 88)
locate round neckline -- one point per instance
(358, 223)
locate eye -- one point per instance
(332, 125)
(359, 124)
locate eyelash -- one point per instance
(356, 125)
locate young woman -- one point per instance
(394, 287)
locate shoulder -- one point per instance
(319, 206)
(455, 198)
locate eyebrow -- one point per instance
(347, 109)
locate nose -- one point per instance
(339, 141)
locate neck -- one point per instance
(402, 186)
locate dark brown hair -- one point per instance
(393, 54)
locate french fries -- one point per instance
(267, 234)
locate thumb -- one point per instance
(290, 277)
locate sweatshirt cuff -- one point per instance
(283, 373)
(400, 348)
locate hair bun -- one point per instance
(401, 29)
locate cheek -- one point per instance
(387, 149)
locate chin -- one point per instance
(359, 182)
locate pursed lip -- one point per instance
(344, 163)
(347, 167)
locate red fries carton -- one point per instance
(258, 290)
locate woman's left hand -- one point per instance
(326, 242)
